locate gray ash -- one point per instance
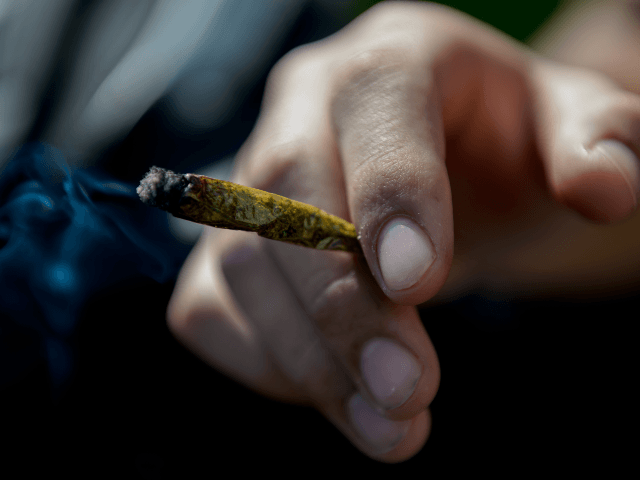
(162, 188)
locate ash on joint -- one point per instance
(162, 188)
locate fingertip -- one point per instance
(410, 268)
(405, 253)
(603, 186)
(413, 442)
(599, 197)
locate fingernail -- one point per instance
(380, 433)
(404, 253)
(390, 371)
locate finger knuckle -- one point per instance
(370, 66)
(199, 274)
(377, 82)
(282, 168)
(370, 93)
(402, 24)
(344, 309)
(387, 47)
(295, 67)
(187, 315)
(179, 312)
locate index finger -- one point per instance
(408, 75)
(384, 347)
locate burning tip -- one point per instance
(162, 188)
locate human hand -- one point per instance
(412, 119)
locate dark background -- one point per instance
(525, 386)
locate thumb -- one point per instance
(390, 136)
(589, 144)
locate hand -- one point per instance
(409, 121)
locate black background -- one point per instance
(525, 386)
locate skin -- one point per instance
(417, 111)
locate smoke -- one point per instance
(65, 235)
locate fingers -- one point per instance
(402, 90)
(204, 317)
(270, 305)
(392, 149)
(412, 80)
(357, 125)
(410, 77)
(358, 362)
(590, 136)
(383, 347)
(365, 363)
(241, 316)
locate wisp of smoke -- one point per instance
(64, 235)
